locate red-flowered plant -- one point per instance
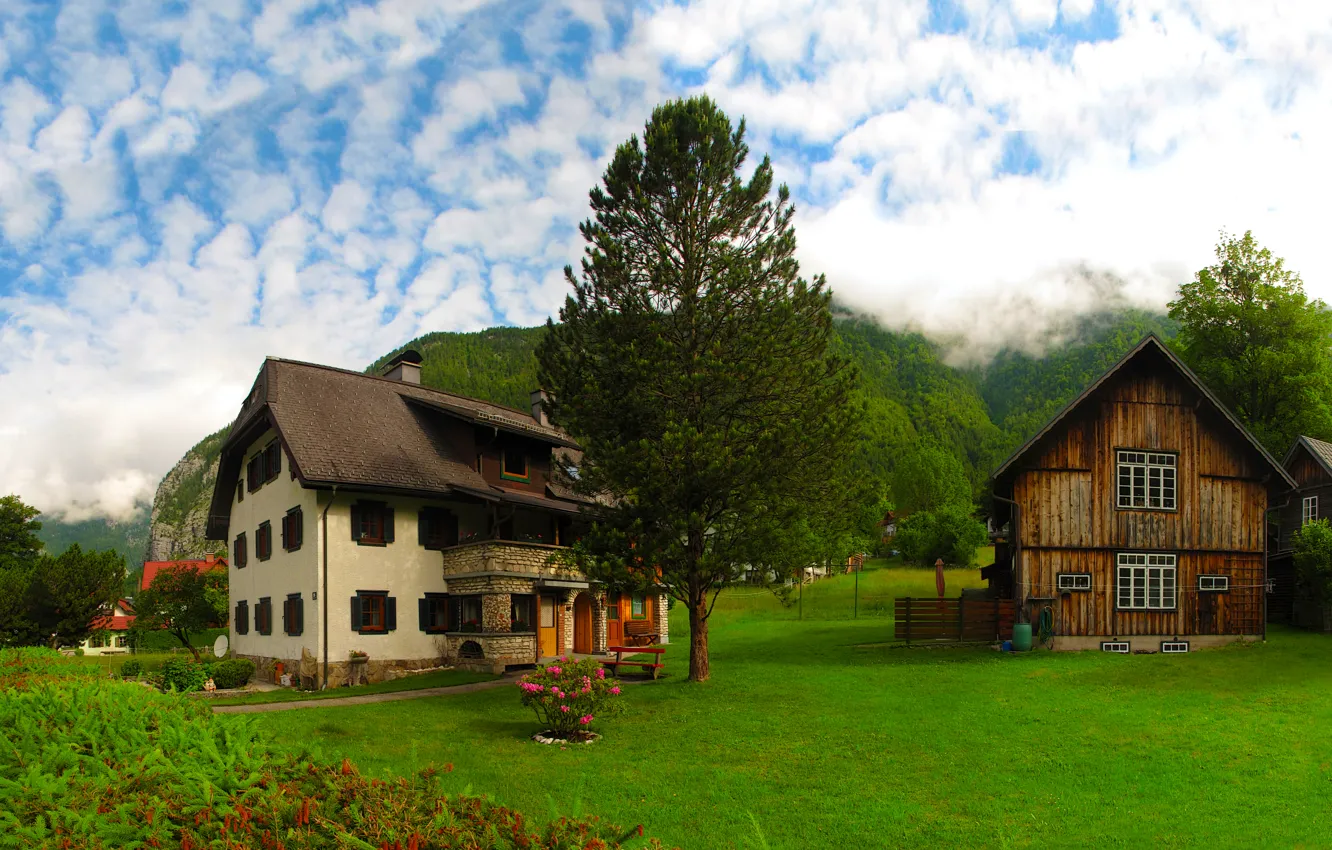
(569, 696)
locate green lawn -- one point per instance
(816, 734)
(151, 661)
(437, 679)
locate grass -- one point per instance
(817, 733)
(151, 661)
(437, 679)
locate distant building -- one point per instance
(152, 568)
(1309, 462)
(111, 630)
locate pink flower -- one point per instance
(585, 719)
(554, 670)
(601, 672)
(564, 708)
(615, 690)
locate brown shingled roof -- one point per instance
(358, 430)
(1321, 451)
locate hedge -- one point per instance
(160, 640)
(90, 761)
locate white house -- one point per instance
(373, 514)
(110, 630)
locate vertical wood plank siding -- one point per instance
(1070, 523)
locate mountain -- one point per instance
(908, 389)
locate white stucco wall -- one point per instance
(283, 573)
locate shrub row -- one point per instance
(184, 675)
(91, 762)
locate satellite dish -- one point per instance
(220, 646)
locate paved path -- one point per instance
(364, 699)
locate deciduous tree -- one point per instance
(1253, 336)
(184, 601)
(692, 363)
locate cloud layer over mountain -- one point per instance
(185, 191)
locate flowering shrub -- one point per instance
(569, 696)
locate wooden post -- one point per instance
(908, 622)
(855, 610)
(961, 623)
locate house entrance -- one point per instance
(614, 629)
(582, 636)
(548, 643)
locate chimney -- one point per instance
(406, 367)
(538, 411)
(209, 559)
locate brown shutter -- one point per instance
(388, 525)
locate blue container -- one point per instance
(1006, 646)
(1022, 637)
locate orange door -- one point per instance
(547, 633)
(614, 625)
(582, 641)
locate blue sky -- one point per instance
(185, 188)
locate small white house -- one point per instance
(111, 631)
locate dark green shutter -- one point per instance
(423, 613)
(297, 614)
(356, 522)
(390, 613)
(286, 621)
(300, 528)
(422, 520)
(388, 525)
(277, 459)
(286, 543)
(356, 613)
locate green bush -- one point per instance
(93, 762)
(183, 675)
(131, 669)
(232, 673)
(950, 533)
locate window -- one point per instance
(434, 612)
(1146, 480)
(263, 616)
(293, 530)
(293, 614)
(242, 618)
(240, 492)
(1120, 646)
(272, 463)
(254, 472)
(238, 552)
(122, 641)
(515, 465)
(521, 612)
(1214, 583)
(1145, 582)
(372, 523)
(467, 613)
(1073, 581)
(436, 528)
(547, 617)
(374, 612)
(263, 541)
(1309, 511)
(1174, 647)
(638, 607)
(612, 606)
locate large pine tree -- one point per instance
(692, 363)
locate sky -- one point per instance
(188, 187)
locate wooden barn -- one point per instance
(1137, 515)
(1309, 462)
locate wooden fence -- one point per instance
(960, 620)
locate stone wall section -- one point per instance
(377, 670)
(599, 640)
(506, 555)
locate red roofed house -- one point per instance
(152, 568)
(111, 630)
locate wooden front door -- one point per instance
(582, 641)
(548, 643)
(614, 625)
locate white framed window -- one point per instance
(1309, 511)
(1214, 582)
(1174, 647)
(1120, 646)
(1145, 480)
(1073, 581)
(1145, 581)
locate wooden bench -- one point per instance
(640, 632)
(654, 667)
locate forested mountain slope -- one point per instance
(910, 394)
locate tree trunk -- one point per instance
(699, 670)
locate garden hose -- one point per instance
(1045, 626)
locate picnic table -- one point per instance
(654, 667)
